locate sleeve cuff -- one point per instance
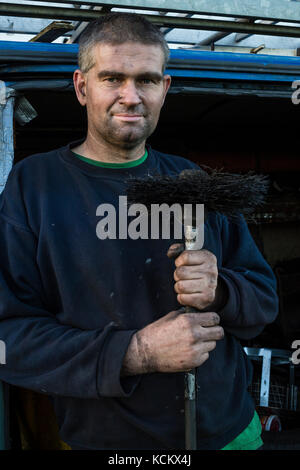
(109, 380)
(230, 310)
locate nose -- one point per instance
(129, 94)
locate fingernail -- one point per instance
(174, 252)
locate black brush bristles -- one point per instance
(227, 193)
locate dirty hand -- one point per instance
(196, 277)
(176, 342)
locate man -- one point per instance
(96, 323)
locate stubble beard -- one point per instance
(127, 136)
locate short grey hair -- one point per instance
(117, 28)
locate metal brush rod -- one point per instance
(190, 234)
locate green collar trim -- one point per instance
(130, 164)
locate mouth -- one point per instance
(128, 117)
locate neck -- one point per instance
(104, 152)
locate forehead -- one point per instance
(128, 57)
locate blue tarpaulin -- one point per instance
(26, 57)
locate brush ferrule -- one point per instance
(193, 241)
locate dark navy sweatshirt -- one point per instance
(70, 303)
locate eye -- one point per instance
(146, 81)
(112, 80)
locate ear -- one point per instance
(79, 80)
(166, 84)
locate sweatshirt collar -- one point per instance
(112, 165)
(140, 168)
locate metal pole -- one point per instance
(265, 377)
(190, 410)
(11, 9)
(7, 99)
(191, 235)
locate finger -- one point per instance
(208, 346)
(198, 300)
(203, 352)
(206, 285)
(175, 250)
(212, 333)
(205, 319)
(188, 272)
(194, 257)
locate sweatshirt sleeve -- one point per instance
(252, 300)
(41, 353)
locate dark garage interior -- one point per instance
(236, 133)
